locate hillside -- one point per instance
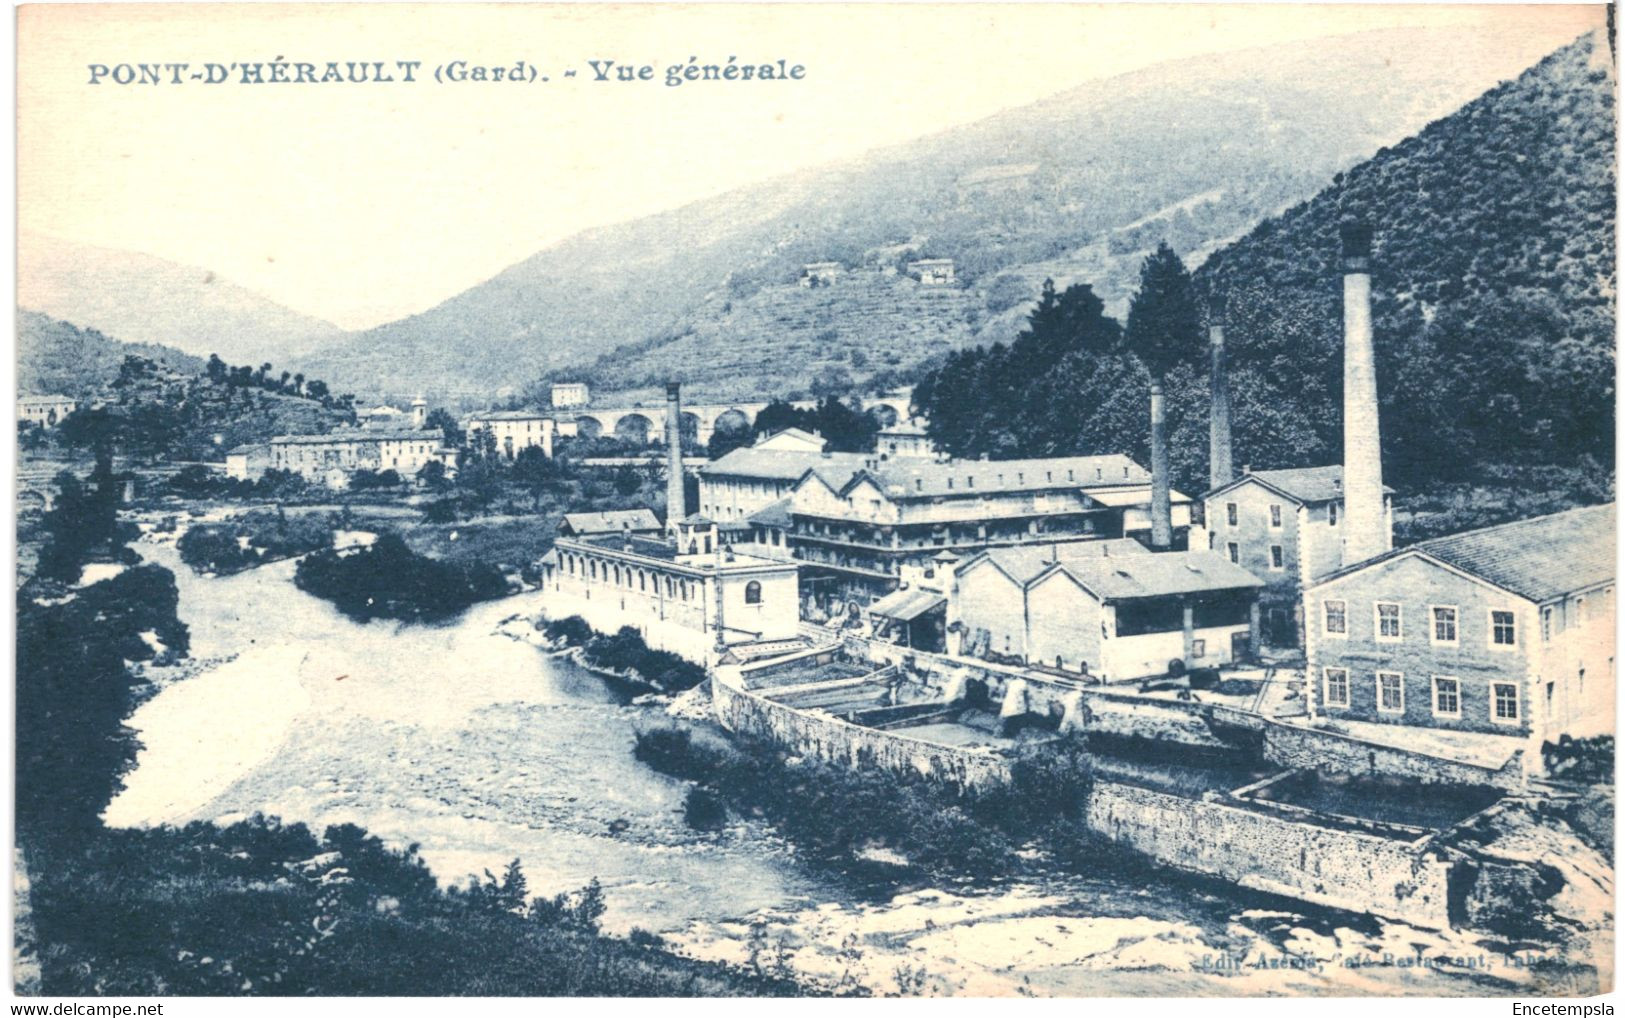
(1077, 186)
(1494, 284)
(55, 357)
(143, 299)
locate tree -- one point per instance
(440, 418)
(1164, 321)
(83, 524)
(217, 369)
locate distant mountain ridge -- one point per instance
(1494, 286)
(144, 299)
(59, 358)
(1078, 187)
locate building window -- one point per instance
(1503, 629)
(1332, 514)
(753, 593)
(1275, 516)
(1391, 692)
(1444, 625)
(1545, 625)
(1337, 618)
(1277, 558)
(1198, 648)
(1388, 621)
(1504, 696)
(1446, 697)
(1235, 552)
(1337, 687)
(1230, 513)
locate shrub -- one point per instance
(389, 580)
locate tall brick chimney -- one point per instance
(1162, 526)
(1363, 526)
(675, 510)
(1220, 469)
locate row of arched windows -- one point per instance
(643, 580)
(629, 577)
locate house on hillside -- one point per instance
(821, 273)
(1283, 527)
(905, 438)
(248, 462)
(46, 411)
(1504, 631)
(933, 271)
(565, 395)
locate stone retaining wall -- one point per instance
(1341, 869)
(1298, 746)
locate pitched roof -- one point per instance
(1541, 558)
(775, 515)
(363, 435)
(908, 604)
(1115, 571)
(920, 478)
(1026, 562)
(1308, 485)
(248, 450)
(508, 415)
(782, 464)
(612, 521)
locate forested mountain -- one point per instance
(59, 358)
(143, 299)
(1494, 284)
(1077, 187)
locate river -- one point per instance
(479, 748)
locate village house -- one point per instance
(1283, 527)
(513, 431)
(565, 395)
(1112, 609)
(46, 411)
(1508, 630)
(821, 273)
(685, 593)
(905, 438)
(248, 462)
(333, 458)
(855, 533)
(933, 271)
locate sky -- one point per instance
(363, 203)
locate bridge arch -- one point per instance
(635, 428)
(589, 427)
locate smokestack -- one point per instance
(1162, 528)
(675, 511)
(1220, 471)
(1362, 441)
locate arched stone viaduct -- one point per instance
(648, 423)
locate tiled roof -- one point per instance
(247, 450)
(363, 435)
(775, 515)
(1026, 562)
(612, 521)
(1308, 485)
(1124, 569)
(508, 415)
(1540, 558)
(917, 478)
(907, 605)
(782, 464)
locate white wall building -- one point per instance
(514, 430)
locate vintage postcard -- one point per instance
(815, 500)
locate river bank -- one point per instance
(480, 747)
